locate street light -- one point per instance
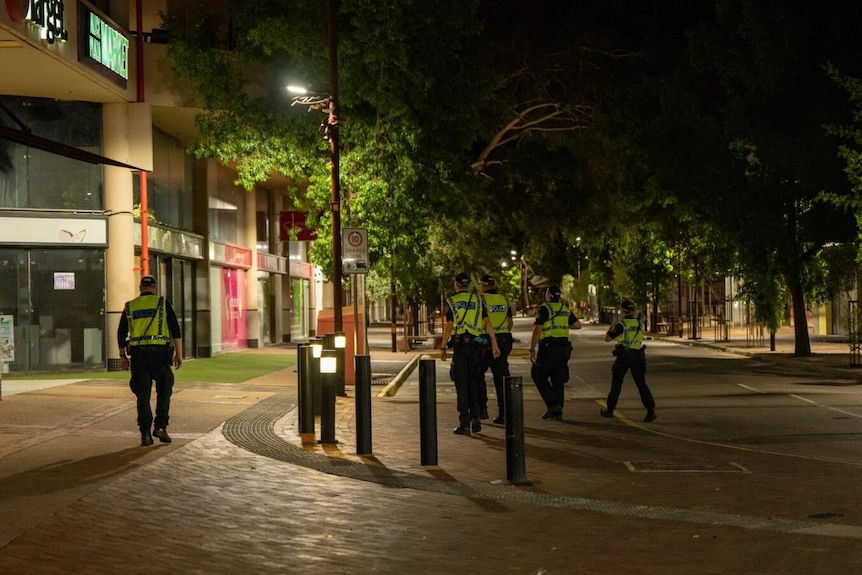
(329, 103)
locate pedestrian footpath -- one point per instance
(396, 419)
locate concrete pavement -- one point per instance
(240, 491)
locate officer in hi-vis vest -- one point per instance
(150, 341)
(464, 319)
(500, 314)
(630, 354)
(550, 350)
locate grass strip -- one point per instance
(235, 367)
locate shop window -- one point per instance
(31, 178)
(169, 186)
(55, 298)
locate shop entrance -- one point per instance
(56, 299)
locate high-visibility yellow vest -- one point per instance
(148, 322)
(466, 313)
(498, 311)
(557, 324)
(632, 335)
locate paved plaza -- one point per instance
(241, 491)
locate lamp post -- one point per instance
(314, 102)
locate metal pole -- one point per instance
(363, 404)
(341, 353)
(306, 403)
(357, 344)
(514, 400)
(392, 308)
(334, 151)
(428, 411)
(328, 376)
(366, 348)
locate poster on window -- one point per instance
(7, 339)
(233, 309)
(64, 280)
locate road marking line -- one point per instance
(812, 402)
(650, 429)
(749, 388)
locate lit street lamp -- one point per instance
(330, 104)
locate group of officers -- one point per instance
(478, 329)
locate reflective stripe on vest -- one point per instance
(498, 311)
(557, 324)
(147, 321)
(466, 313)
(632, 335)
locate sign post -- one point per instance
(354, 261)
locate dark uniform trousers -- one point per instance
(465, 372)
(634, 360)
(150, 363)
(551, 370)
(499, 368)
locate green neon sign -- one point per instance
(108, 46)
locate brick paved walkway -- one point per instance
(252, 496)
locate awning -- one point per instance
(64, 150)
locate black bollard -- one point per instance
(428, 411)
(328, 376)
(306, 406)
(514, 401)
(362, 389)
(316, 345)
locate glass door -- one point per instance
(56, 299)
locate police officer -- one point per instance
(464, 319)
(150, 341)
(630, 354)
(550, 350)
(500, 316)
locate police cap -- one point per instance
(148, 281)
(462, 280)
(488, 280)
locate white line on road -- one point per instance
(806, 400)
(749, 388)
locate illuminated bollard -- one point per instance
(306, 404)
(328, 376)
(316, 350)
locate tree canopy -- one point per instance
(648, 138)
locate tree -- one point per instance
(764, 62)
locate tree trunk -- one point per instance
(802, 343)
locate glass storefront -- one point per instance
(264, 309)
(229, 330)
(56, 299)
(299, 308)
(32, 178)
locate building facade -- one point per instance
(91, 142)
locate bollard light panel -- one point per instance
(316, 349)
(340, 341)
(328, 363)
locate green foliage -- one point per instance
(615, 148)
